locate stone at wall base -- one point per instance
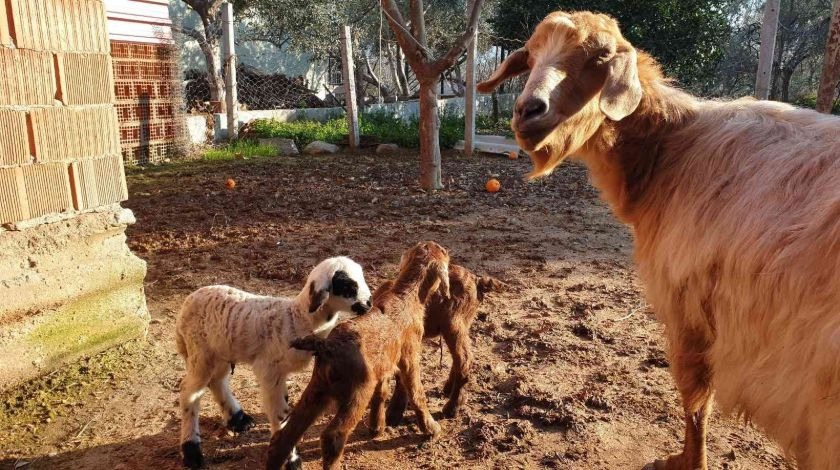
(69, 289)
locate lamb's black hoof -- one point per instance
(294, 463)
(240, 422)
(191, 452)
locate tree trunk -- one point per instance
(430, 170)
(401, 75)
(831, 64)
(784, 83)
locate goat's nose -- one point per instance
(531, 108)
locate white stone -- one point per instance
(283, 146)
(319, 147)
(125, 217)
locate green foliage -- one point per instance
(810, 101)
(687, 37)
(239, 149)
(379, 124)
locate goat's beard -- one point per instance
(566, 139)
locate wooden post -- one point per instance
(769, 28)
(229, 61)
(831, 64)
(469, 93)
(349, 79)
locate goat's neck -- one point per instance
(623, 156)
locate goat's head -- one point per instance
(337, 285)
(428, 264)
(582, 72)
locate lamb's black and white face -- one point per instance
(339, 285)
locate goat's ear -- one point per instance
(317, 297)
(622, 90)
(515, 64)
(437, 280)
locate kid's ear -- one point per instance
(316, 297)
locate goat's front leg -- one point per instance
(410, 377)
(396, 407)
(275, 399)
(691, 371)
(377, 409)
(458, 342)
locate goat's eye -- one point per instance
(601, 56)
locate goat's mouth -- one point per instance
(532, 134)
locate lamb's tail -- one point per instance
(487, 284)
(312, 343)
(311, 406)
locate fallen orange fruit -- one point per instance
(513, 155)
(493, 185)
(230, 183)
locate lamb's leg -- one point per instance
(334, 437)
(410, 378)
(192, 388)
(691, 372)
(460, 347)
(235, 419)
(396, 407)
(377, 409)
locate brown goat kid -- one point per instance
(450, 317)
(354, 362)
(735, 208)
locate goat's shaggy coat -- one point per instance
(220, 326)
(735, 208)
(450, 317)
(354, 362)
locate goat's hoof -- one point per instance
(191, 453)
(674, 462)
(394, 420)
(294, 463)
(450, 410)
(240, 422)
(434, 430)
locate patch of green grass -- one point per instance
(240, 149)
(302, 132)
(810, 101)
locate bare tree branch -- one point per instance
(408, 43)
(460, 44)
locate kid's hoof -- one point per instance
(240, 422)
(294, 463)
(191, 452)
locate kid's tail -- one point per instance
(312, 343)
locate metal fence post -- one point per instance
(349, 87)
(229, 61)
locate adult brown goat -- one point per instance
(735, 209)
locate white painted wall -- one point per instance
(139, 20)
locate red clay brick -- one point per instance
(47, 188)
(60, 25)
(13, 206)
(98, 182)
(14, 138)
(64, 134)
(27, 77)
(85, 78)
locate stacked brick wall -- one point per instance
(147, 101)
(59, 135)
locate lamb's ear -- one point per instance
(437, 279)
(622, 90)
(316, 297)
(515, 64)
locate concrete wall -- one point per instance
(68, 283)
(405, 110)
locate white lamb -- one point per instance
(220, 326)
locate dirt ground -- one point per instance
(570, 368)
